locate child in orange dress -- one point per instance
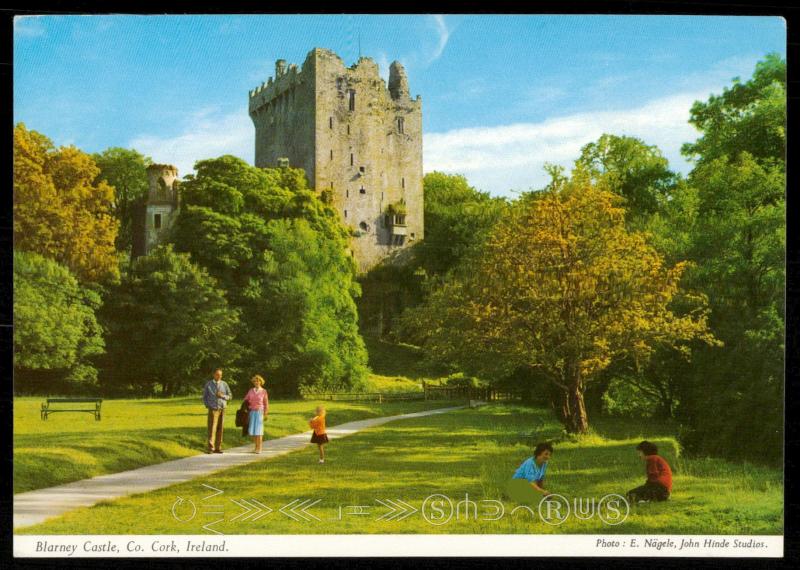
(320, 437)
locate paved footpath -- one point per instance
(37, 506)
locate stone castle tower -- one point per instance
(357, 139)
(159, 209)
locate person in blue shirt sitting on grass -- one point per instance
(529, 476)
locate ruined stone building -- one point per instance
(358, 140)
(155, 215)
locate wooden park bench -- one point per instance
(49, 407)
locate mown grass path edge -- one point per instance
(34, 507)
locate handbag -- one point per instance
(242, 417)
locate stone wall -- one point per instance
(354, 137)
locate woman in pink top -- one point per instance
(258, 404)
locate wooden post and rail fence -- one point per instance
(428, 392)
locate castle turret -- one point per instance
(398, 81)
(158, 210)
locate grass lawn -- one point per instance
(134, 433)
(467, 452)
(392, 384)
(404, 360)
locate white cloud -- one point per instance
(501, 158)
(207, 133)
(444, 36)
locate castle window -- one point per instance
(330, 122)
(411, 237)
(351, 159)
(331, 183)
(362, 169)
(347, 193)
(331, 154)
(345, 213)
(157, 221)
(348, 129)
(403, 182)
(352, 100)
(364, 226)
(400, 126)
(362, 191)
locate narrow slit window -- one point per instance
(348, 129)
(331, 154)
(403, 182)
(347, 193)
(352, 100)
(331, 183)
(345, 213)
(330, 122)
(157, 221)
(351, 159)
(400, 125)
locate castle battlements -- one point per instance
(166, 168)
(365, 69)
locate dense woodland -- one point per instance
(620, 288)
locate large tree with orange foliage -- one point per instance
(60, 211)
(562, 286)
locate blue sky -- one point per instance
(502, 95)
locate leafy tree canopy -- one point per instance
(168, 325)
(627, 166)
(563, 287)
(61, 211)
(126, 171)
(56, 334)
(748, 117)
(281, 254)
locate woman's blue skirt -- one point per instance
(256, 426)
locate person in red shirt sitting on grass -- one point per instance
(659, 476)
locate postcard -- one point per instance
(399, 285)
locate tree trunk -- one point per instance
(574, 415)
(578, 419)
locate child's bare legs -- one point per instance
(321, 451)
(258, 440)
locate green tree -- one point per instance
(60, 210)
(126, 171)
(168, 324)
(56, 334)
(738, 245)
(746, 117)
(281, 254)
(636, 171)
(457, 217)
(561, 286)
